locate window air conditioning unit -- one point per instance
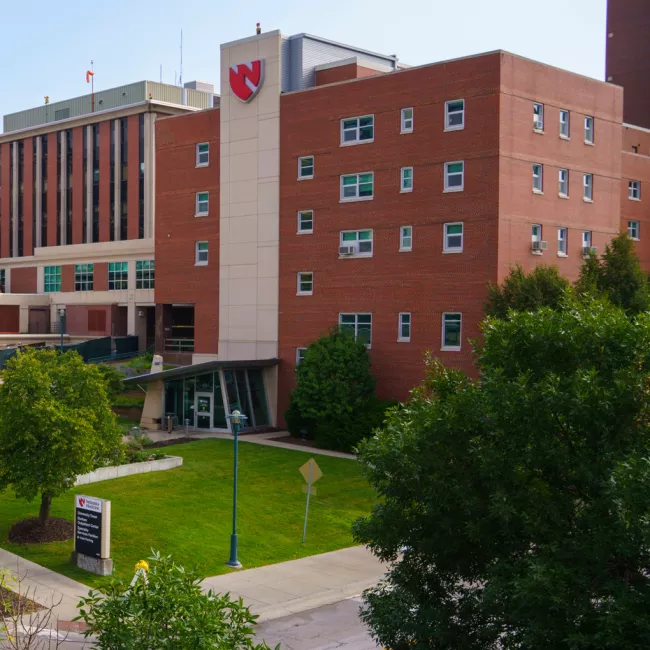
(347, 250)
(540, 245)
(539, 126)
(588, 249)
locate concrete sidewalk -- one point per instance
(299, 585)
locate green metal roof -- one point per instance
(200, 369)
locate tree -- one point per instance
(164, 608)
(113, 379)
(617, 275)
(542, 287)
(334, 400)
(55, 423)
(514, 506)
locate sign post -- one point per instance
(92, 535)
(311, 473)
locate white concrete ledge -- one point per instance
(108, 473)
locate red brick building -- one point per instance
(357, 192)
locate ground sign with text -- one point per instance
(92, 526)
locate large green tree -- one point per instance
(521, 291)
(55, 423)
(516, 507)
(617, 275)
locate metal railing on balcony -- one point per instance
(179, 345)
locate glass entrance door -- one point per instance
(203, 410)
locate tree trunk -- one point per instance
(44, 513)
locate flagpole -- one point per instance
(92, 87)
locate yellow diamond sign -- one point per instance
(311, 465)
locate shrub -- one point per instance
(114, 380)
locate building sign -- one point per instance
(246, 79)
(92, 521)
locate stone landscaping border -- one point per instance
(107, 473)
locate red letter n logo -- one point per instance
(246, 79)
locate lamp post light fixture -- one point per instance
(61, 312)
(236, 421)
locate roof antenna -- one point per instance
(180, 74)
(258, 29)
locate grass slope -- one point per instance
(187, 512)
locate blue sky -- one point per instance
(46, 50)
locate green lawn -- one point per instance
(187, 512)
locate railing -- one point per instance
(179, 345)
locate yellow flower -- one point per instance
(142, 564)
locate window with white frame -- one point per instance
(52, 279)
(536, 238)
(305, 283)
(562, 241)
(201, 256)
(634, 190)
(118, 276)
(406, 182)
(356, 187)
(202, 204)
(300, 354)
(360, 325)
(453, 242)
(454, 176)
(588, 187)
(538, 117)
(202, 154)
(404, 327)
(633, 229)
(538, 178)
(84, 276)
(564, 124)
(406, 238)
(589, 129)
(305, 167)
(586, 241)
(145, 274)
(358, 129)
(455, 115)
(356, 243)
(406, 123)
(563, 177)
(451, 331)
(305, 221)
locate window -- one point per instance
(406, 184)
(453, 238)
(3, 281)
(536, 238)
(201, 253)
(404, 327)
(589, 187)
(305, 167)
(564, 182)
(300, 354)
(454, 176)
(305, 221)
(84, 277)
(357, 129)
(538, 178)
(358, 324)
(202, 203)
(305, 283)
(118, 276)
(564, 124)
(634, 190)
(451, 327)
(586, 241)
(356, 242)
(406, 238)
(145, 274)
(589, 129)
(561, 241)
(202, 154)
(538, 117)
(52, 277)
(407, 121)
(633, 229)
(455, 115)
(355, 187)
